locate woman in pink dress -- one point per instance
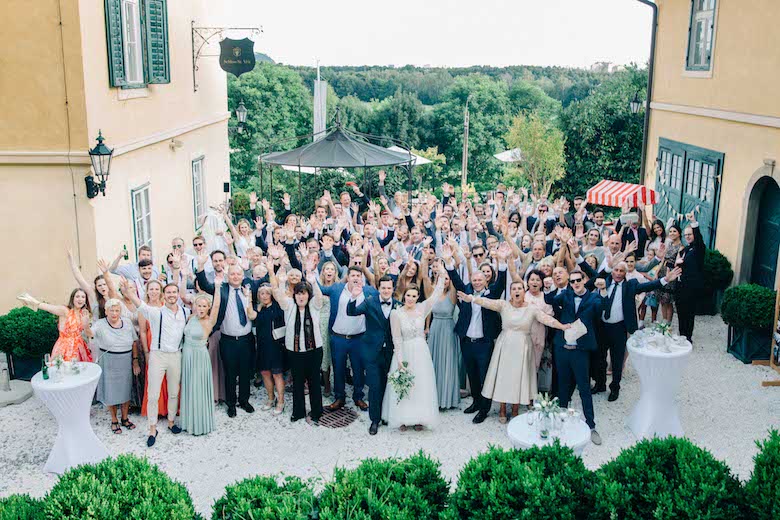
(73, 321)
(535, 296)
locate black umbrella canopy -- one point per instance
(338, 149)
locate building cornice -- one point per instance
(726, 115)
(59, 157)
(158, 137)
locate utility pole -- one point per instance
(465, 163)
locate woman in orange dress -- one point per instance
(73, 321)
(153, 297)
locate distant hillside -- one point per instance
(263, 58)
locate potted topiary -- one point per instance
(717, 277)
(748, 310)
(763, 488)
(25, 336)
(267, 497)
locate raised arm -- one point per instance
(438, 290)
(395, 330)
(79, 276)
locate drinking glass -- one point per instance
(47, 359)
(530, 417)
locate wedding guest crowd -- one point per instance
(503, 297)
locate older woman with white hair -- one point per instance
(116, 342)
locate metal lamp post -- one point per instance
(465, 161)
(241, 112)
(100, 156)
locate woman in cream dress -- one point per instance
(511, 375)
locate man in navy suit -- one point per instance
(572, 360)
(346, 334)
(376, 351)
(619, 321)
(477, 328)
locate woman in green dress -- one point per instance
(197, 387)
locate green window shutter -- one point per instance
(114, 44)
(156, 37)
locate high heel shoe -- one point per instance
(268, 405)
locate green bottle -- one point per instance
(44, 370)
(125, 252)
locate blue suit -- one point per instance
(572, 364)
(477, 352)
(376, 351)
(342, 347)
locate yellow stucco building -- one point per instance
(714, 137)
(122, 67)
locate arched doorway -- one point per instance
(765, 250)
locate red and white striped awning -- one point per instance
(614, 193)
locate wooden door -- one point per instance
(765, 254)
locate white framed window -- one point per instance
(131, 36)
(700, 35)
(198, 191)
(142, 216)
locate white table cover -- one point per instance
(574, 434)
(69, 402)
(656, 413)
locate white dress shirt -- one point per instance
(616, 314)
(475, 330)
(172, 326)
(231, 323)
(348, 325)
(386, 308)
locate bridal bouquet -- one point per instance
(402, 381)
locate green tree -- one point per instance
(603, 137)
(489, 121)
(429, 175)
(527, 97)
(398, 117)
(279, 107)
(541, 147)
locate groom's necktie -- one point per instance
(240, 306)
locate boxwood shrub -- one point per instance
(717, 270)
(548, 482)
(26, 333)
(398, 489)
(748, 306)
(763, 489)
(125, 487)
(20, 507)
(263, 498)
(667, 478)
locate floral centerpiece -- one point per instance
(663, 327)
(402, 381)
(547, 410)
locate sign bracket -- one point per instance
(202, 36)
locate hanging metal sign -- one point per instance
(237, 56)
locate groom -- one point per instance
(376, 350)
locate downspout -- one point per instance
(650, 72)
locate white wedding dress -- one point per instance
(421, 405)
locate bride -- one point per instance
(420, 408)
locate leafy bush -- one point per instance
(548, 482)
(124, 487)
(667, 478)
(398, 489)
(26, 333)
(763, 489)
(262, 498)
(748, 306)
(20, 507)
(717, 270)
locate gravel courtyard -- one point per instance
(723, 408)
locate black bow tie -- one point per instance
(387, 303)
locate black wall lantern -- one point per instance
(241, 113)
(635, 104)
(100, 156)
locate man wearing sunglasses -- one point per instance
(572, 359)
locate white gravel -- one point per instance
(723, 408)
